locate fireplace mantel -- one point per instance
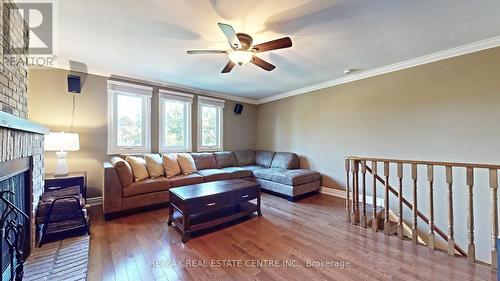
(16, 123)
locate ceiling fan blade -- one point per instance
(262, 63)
(281, 43)
(228, 67)
(195, 52)
(230, 35)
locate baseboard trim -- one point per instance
(341, 193)
(94, 201)
(332, 191)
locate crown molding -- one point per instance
(442, 55)
(157, 83)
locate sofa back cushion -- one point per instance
(264, 158)
(171, 165)
(123, 170)
(187, 164)
(245, 157)
(225, 159)
(285, 160)
(154, 164)
(204, 161)
(139, 168)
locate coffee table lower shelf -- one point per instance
(211, 218)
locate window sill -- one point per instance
(175, 150)
(127, 151)
(215, 149)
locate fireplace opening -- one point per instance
(15, 178)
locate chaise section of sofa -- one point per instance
(276, 172)
(284, 178)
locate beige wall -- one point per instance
(51, 105)
(448, 110)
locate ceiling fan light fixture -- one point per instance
(240, 57)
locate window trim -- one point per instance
(116, 88)
(219, 105)
(187, 100)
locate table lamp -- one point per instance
(62, 143)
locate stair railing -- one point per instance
(356, 165)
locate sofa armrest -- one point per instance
(112, 193)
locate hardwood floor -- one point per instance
(289, 237)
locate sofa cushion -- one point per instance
(123, 170)
(225, 159)
(204, 161)
(264, 158)
(186, 162)
(253, 167)
(214, 174)
(238, 172)
(139, 168)
(182, 180)
(154, 165)
(147, 186)
(285, 160)
(171, 165)
(245, 157)
(288, 177)
(290, 191)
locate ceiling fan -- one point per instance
(242, 51)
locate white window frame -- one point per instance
(187, 100)
(116, 88)
(219, 105)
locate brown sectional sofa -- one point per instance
(276, 172)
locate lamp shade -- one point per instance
(62, 142)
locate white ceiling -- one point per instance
(149, 38)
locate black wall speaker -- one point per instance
(74, 85)
(238, 108)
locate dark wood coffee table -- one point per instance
(201, 206)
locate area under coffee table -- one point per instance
(201, 206)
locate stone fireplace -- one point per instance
(22, 168)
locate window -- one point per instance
(175, 121)
(210, 124)
(128, 118)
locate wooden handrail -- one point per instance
(421, 162)
(409, 205)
